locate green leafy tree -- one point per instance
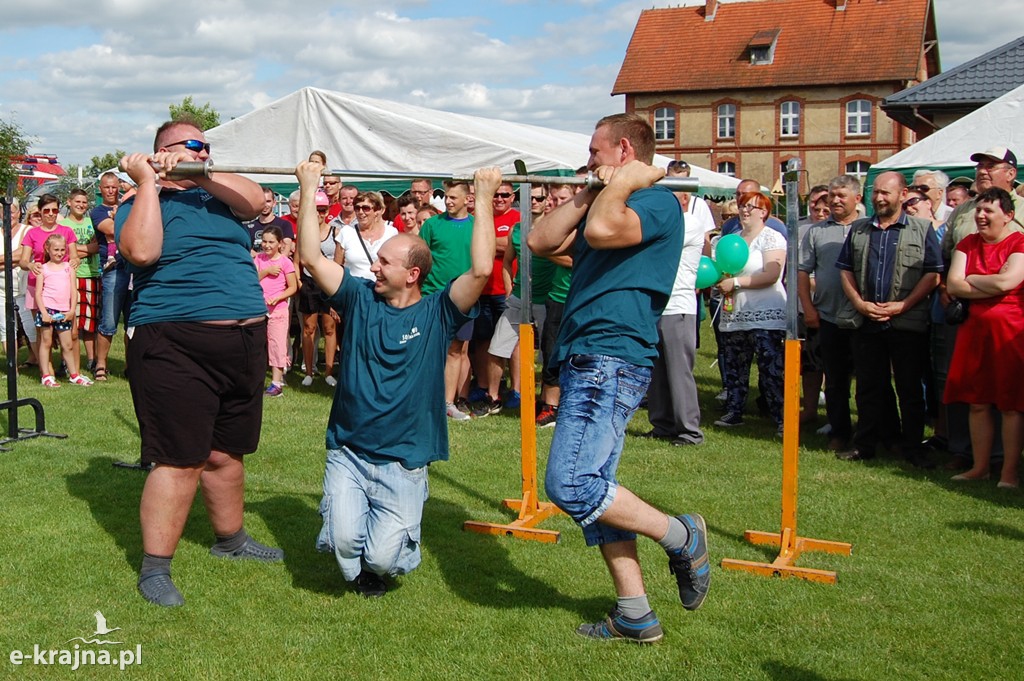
(101, 164)
(204, 116)
(12, 143)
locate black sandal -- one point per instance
(100, 374)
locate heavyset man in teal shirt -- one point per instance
(387, 422)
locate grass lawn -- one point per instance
(932, 591)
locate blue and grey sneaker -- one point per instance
(690, 564)
(617, 626)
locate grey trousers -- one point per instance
(672, 405)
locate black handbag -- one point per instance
(956, 311)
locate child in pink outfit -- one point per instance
(279, 283)
(56, 294)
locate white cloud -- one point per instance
(104, 77)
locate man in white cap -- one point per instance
(995, 167)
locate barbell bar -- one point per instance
(207, 168)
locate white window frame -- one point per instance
(858, 117)
(857, 173)
(728, 118)
(665, 124)
(789, 118)
(727, 168)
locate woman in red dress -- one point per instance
(988, 361)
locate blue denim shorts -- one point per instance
(599, 396)
(371, 514)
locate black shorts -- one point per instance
(548, 337)
(311, 299)
(196, 388)
(491, 308)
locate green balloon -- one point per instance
(707, 273)
(731, 253)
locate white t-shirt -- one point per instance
(697, 222)
(348, 237)
(758, 308)
(19, 276)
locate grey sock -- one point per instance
(676, 537)
(154, 565)
(232, 542)
(634, 607)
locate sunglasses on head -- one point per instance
(681, 165)
(192, 145)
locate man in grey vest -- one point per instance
(889, 264)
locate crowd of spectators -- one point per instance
(874, 293)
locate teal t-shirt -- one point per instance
(617, 295)
(205, 270)
(389, 405)
(449, 241)
(541, 272)
(89, 267)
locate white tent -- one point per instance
(360, 133)
(1000, 123)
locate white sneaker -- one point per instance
(722, 396)
(331, 381)
(821, 399)
(824, 430)
(454, 414)
(307, 381)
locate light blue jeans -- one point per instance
(599, 396)
(372, 514)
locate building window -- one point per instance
(858, 117)
(858, 169)
(726, 121)
(727, 168)
(789, 119)
(665, 124)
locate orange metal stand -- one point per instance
(790, 544)
(531, 511)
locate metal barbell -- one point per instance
(590, 180)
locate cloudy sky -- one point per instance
(86, 77)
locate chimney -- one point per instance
(711, 7)
(841, 5)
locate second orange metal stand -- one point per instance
(790, 544)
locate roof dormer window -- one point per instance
(762, 46)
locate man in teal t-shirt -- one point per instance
(625, 240)
(387, 422)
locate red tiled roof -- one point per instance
(870, 41)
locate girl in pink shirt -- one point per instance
(279, 283)
(55, 296)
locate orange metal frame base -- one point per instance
(790, 544)
(790, 548)
(531, 511)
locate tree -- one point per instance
(12, 143)
(204, 116)
(101, 164)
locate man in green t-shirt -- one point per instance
(88, 273)
(387, 422)
(626, 241)
(448, 237)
